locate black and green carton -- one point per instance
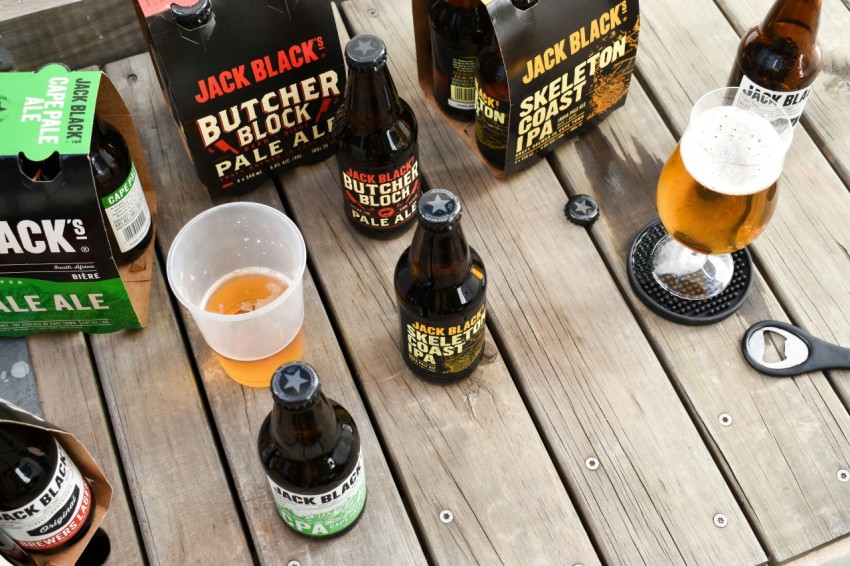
(57, 271)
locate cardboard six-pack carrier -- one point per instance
(57, 271)
(100, 486)
(253, 86)
(569, 64)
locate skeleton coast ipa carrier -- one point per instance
(459, 30)
(45, 502)
(310, 450)
(781, 57)
(440, 285)
(377, 145)
(128, 218)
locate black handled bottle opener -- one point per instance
(803, 352)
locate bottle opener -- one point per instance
(803, 352)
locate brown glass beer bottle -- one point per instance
(310, 449)
(492, 100)
(781, 57)
(45, 502)
(377, 144)
(459, 30)
(129, 226)
(440, 285)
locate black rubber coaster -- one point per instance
(676, 309)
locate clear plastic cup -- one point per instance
(236, 249)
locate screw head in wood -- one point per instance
(720, 520)
(591, 463)
(446, 516)
(843, 476)
(725, 419)
(293, 563)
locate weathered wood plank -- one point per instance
(384, 533)
(827, 115)
(69, 397)
(655, 496)
(802, 505)
(176, 478)
(788, 485)
(79, 33)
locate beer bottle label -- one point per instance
(327, 513)
(459, 67)
(444, 349)
(128, 212)
(793, 102)
(381, 198)
(491, 120)
(56, 514)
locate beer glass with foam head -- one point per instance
(717, 191)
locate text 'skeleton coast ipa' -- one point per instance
(310, 449)
(780, 57)
(459, 30)
(45, 502)
(377, 145)
(440, 285)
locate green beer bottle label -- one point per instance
(327, 513)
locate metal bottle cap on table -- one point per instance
(582, 210)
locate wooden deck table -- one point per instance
(590, 434)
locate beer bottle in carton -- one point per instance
(310, 449)
(492, 100)
(45, 502)
(440, 285)
(780, 56)
(377, 145)
(129, 227)
(459, 30)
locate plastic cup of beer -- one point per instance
(238, 269)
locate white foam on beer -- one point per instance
(732, 151)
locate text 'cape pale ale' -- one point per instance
(459, 30)
(45, 502)
(780, 57)
(717, 191)
(377, 145)
(440, 285)
(310, 449)
(492, 99)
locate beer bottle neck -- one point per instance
(372, 102)
(440, 258)
(797, 18)
(306, 433)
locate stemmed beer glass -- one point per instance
(717, 191)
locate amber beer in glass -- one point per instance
(717, 191)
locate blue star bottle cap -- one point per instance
(192, 16)
(439, 207)
(295, 386)
(365, 53)
(582, 210)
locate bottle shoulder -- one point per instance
(379, 145)
(312, 468)
(429, 300)
(458, 24)
(777, 59)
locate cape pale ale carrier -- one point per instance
(58, 270)
(569, 64)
